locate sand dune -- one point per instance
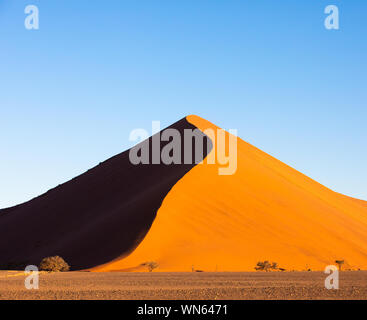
(118, 216)
(92, 219)
(266, 211)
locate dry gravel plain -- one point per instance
(211, 285)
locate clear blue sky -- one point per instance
(71, 92)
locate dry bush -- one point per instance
(151, 265)
(266, 266)
(55, 264)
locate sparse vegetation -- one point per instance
(54, 264)
(151, 265)
(195, 270)
(339, 263)
(266, 266)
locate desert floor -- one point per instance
(155, 285)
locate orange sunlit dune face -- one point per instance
(265, 211)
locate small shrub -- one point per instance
(194, 270)
(151, 265)
(54, 264)
(266, 266)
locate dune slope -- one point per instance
(187, 217)
(94, 218)
(265, 211)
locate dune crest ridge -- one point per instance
(95, 218)
(265, 211)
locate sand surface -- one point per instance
(265, 211)
(156, 285)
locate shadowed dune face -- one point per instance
(97, 217)
(265, 211)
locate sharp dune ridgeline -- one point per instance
(92, 219)
(118, 216)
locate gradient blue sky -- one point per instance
(71, 92)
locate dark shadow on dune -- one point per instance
(93, 218)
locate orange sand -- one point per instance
(265, 211)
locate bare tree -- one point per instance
(266, 266)
(151, 265)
